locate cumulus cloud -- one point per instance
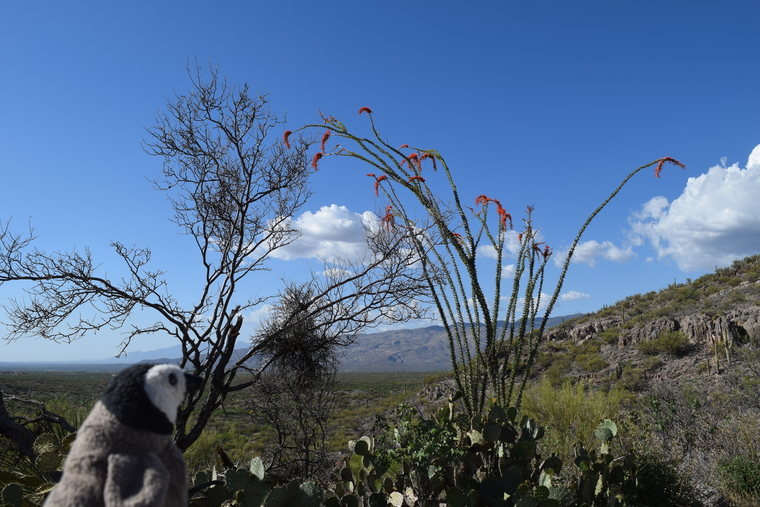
(487, 251)
(258, 314)
(333, 232)
(714, 221)
(336, 273)
(508, 270)
(511, 246)
(573, 295)
(589, 252)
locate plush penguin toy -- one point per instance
(124, 454)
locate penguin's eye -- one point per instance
(173, 379)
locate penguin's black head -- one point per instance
(146, 396)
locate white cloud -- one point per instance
(573, 295)
(511, 246)
(487, 251)
(653, 208)
(714, 221)
(258, 314)
(589, 252)
(333, 232)
(508, 270)
(336, 273)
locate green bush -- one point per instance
(659, 482)
(590, 362)
(673, 343)
(570, 412)
(610, 336)
(741, 475)
(631, 379)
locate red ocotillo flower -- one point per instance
(432, 159)
(662, 162)
(388, 218)
(417, 178)
(547, 251)
(403, 146)
(365, 109)
(285, 136)
(325, 137)
(378, 179)
(504, 216)
(414, 157)
(315, 159)
(484, 200)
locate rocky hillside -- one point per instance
(683, 329)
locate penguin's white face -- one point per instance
(165, 387)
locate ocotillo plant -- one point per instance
(489, 358)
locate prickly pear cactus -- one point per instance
(35, 478)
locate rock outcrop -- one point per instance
(735, 327)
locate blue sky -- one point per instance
(542, 103)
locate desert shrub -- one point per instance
(741, 475)
(610, 336)
(202, 454)
(673, 343)
(590, 362)
(631, 379)
(660, 482)
(570, 413)
(685, 293)
(648, 348)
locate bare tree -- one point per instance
(234, 190)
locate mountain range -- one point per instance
(418, 349)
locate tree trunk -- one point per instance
(20, 435)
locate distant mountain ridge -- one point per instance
(421, 349)
(417, 349)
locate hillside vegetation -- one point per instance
(677, 370)
(680, 331)
(681, 367)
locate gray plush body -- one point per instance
(111, 464)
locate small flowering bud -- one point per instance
(325, 137)
(504, 217)
(432, 159)
(377, 183)
(414, 158)
(315, 160)
(662, 161)
(285, 136)
(417, 178)
(365, 110)
(388, 219)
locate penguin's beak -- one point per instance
(192, 382)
